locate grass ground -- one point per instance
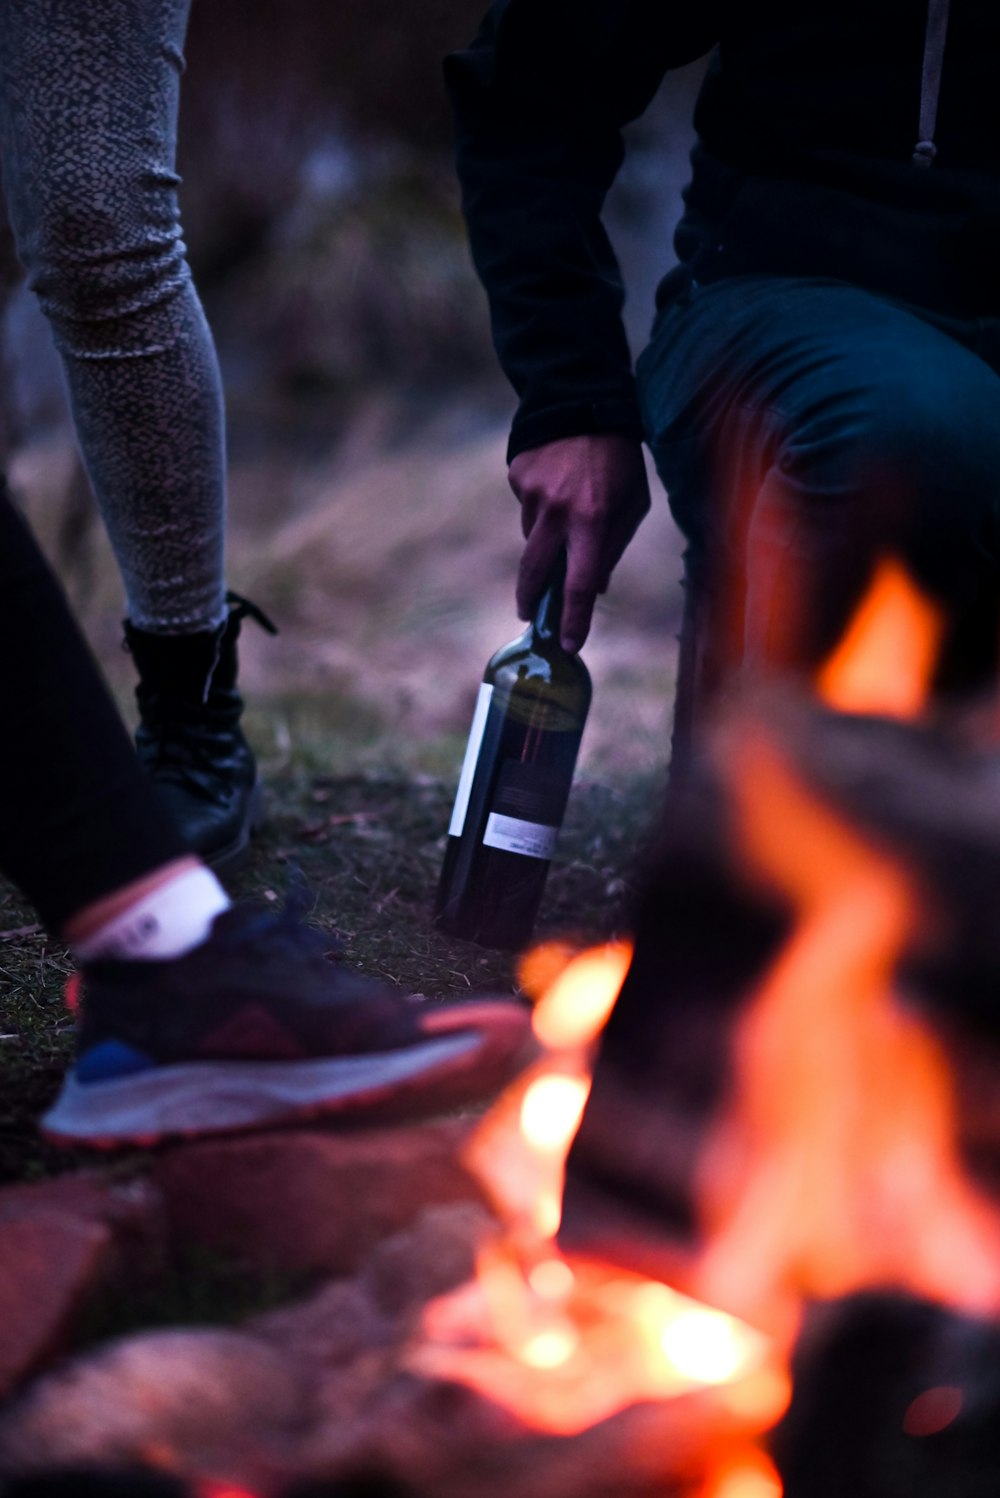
(386, 550)
(362, 825)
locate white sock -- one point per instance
(169, 921)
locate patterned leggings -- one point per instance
(88, 122)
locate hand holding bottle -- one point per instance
(589, 494)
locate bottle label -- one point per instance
(532, 839)
(529, 803)
(534, 792)
(469, 763)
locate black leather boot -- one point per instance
(189, 739)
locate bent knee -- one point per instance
(92, 265)
(930, 448)
(932, 432)
(908, 468)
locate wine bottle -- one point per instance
(515, 782)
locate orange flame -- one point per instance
(565, 1344)
(744, 1474)
(519, 1151)
(576, 1004)
(836, 1165)
(886, 659)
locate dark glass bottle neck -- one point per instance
(548, 615)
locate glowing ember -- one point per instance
(611, 1341)
(705, 1345)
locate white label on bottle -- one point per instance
(533, 839)
(469, 763)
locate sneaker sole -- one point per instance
(201, 1098)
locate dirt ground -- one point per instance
(384, 541)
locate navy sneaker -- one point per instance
(258, 1028)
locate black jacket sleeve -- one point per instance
(539, 100)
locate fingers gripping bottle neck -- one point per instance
(515, 782)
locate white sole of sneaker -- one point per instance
(220, 1097)
(469, 1050)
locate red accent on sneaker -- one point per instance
(72, 994)
(251, 1032)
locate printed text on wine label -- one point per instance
(533, 839)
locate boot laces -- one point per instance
(245, 608)
(178, 739)
(179, 746)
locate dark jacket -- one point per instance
(807, 126)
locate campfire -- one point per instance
(832, 1167)
(565, 1344)
(735, 1233)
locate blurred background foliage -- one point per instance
(369, 507)
(318, 190)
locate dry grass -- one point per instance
(387, 555)
(367, 842)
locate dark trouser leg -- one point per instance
(77, 817)
(701, 940)
(802, 429)
(694, 671)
